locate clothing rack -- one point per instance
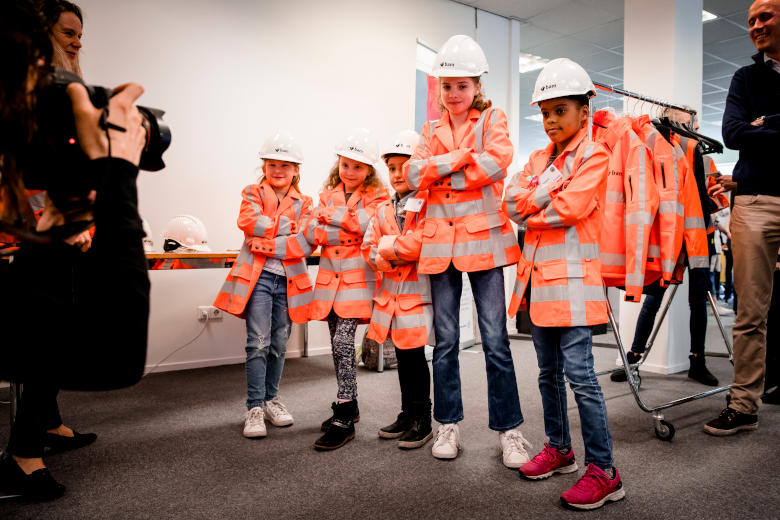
(634, 95)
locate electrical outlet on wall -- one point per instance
(209, 312)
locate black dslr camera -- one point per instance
(56, 162)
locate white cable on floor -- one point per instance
(178, 349)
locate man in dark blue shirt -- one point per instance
(751, 124)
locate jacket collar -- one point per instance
(339, 196)
(444, 132)
(270, 197)
(550, 149)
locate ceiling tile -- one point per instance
(731, 48)
(710, 112)
(708, 58)
(745, 60)
(722, 82)
(571, 18)
(717, 70)
(726, 7)
(608, 35)
(741, 18)
(611, 7)
(532, 36)
(707, 89)
(567, 47)
(524, 10)
(713, 98)
(720, 30)
(600, 61)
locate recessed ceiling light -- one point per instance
(537, 117)
(715, 123)
(529, 62)
(707, 16)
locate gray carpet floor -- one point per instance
(171, 447)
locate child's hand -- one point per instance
(386, 247)
(325, 214)
(382, 264)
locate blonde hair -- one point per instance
(60, 59)
(372, 181)
(293, 184)
(480, 103)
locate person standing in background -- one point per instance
(751, 124)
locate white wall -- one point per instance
(230, 73)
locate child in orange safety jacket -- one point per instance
(402, 307)
(268, 284)
(561, 195)
(346, 283)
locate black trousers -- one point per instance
(414, 376)
(36, 412)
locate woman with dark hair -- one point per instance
(31, 296)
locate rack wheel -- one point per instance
(666, 432)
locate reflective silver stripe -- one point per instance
(238, 289)
(529, 251)
(699, 261)
(563, 293)
(639, 217)
(613, 259)
(490, 167)
(338, 216)
(443, 163)
(381, 318)
(440, 211)
(667, 206)
(616, 197)
(560, 251)
(587, 155)
(37, 201)
(410, 321)
(413, 177)
(388, 284)
(285, 226)
(351, 295)
(295, 269)
(479, 127)
(332, 233)
(635, 279)
(459, 180)
(575, 273)
(363, 220)
(299, 300)
(339, 266)
(542, 196)
(651, 137)
(297, 207)
(472, 247)
(519, 289)
(280, 248)
(515, 179)
(330, 203)
(552, 218)
(511, 203)
(668, 265)
(568, 163)
(262, 221)
(694, 223)
(491, 204)
(429, 250)
(654, 251)
(422, 140)
(305, 246)
(245, 256)
(310, 238)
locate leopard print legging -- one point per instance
(342, 340)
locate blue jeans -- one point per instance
(503, 399)
(697, 301)
(567, 350)
(267, 329)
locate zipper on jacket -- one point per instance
(663, 175)
(631, 187)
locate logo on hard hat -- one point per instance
(282, 150)
(545, 87)
(446, 64)
(402, 145)
(354, 149)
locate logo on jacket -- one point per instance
(547, 87)
(446, 64)
(613, 172)
(355, 149)
(282, 150)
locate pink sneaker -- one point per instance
(594, 489)
(547, 462)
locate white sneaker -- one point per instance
(447, 442)
(254, 426)
(725, 311)
(277, 413)
(513, 445)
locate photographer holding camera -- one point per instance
(101, 185)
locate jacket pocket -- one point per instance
(303, 282)
(382, 298)
(324, 278)
(561, 269)
(354, 276)
(429, 228)
(477, 223)
(408, 303)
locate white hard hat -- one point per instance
(282, 146)
(188, 231)
(560, 78)
(148, 242)
(460, 57)
(359, 145)
(405, 143)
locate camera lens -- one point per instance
(158, 139)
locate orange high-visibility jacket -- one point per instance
(464, 175)
(694, 228)
(263, 218)
(345, 282)
(164, 264)
(402, 307)
(630, 206)
(711, 170)
(561, 250)
(666, 235)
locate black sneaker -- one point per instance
(419, 432)
(395, 430)
(699, 372)
(342, 428)
(730, 422)
(620, 376)
(38, 485)
(326, 424)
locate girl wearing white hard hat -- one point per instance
(560, 195)
(462, 161)
(268, 284)
(346, 283)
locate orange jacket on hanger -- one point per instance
(163, 264)
(402, 307)
(561, 250)
(345, 282)
(464, 175)
(263, 217)
(711, 171)
(630, 205)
